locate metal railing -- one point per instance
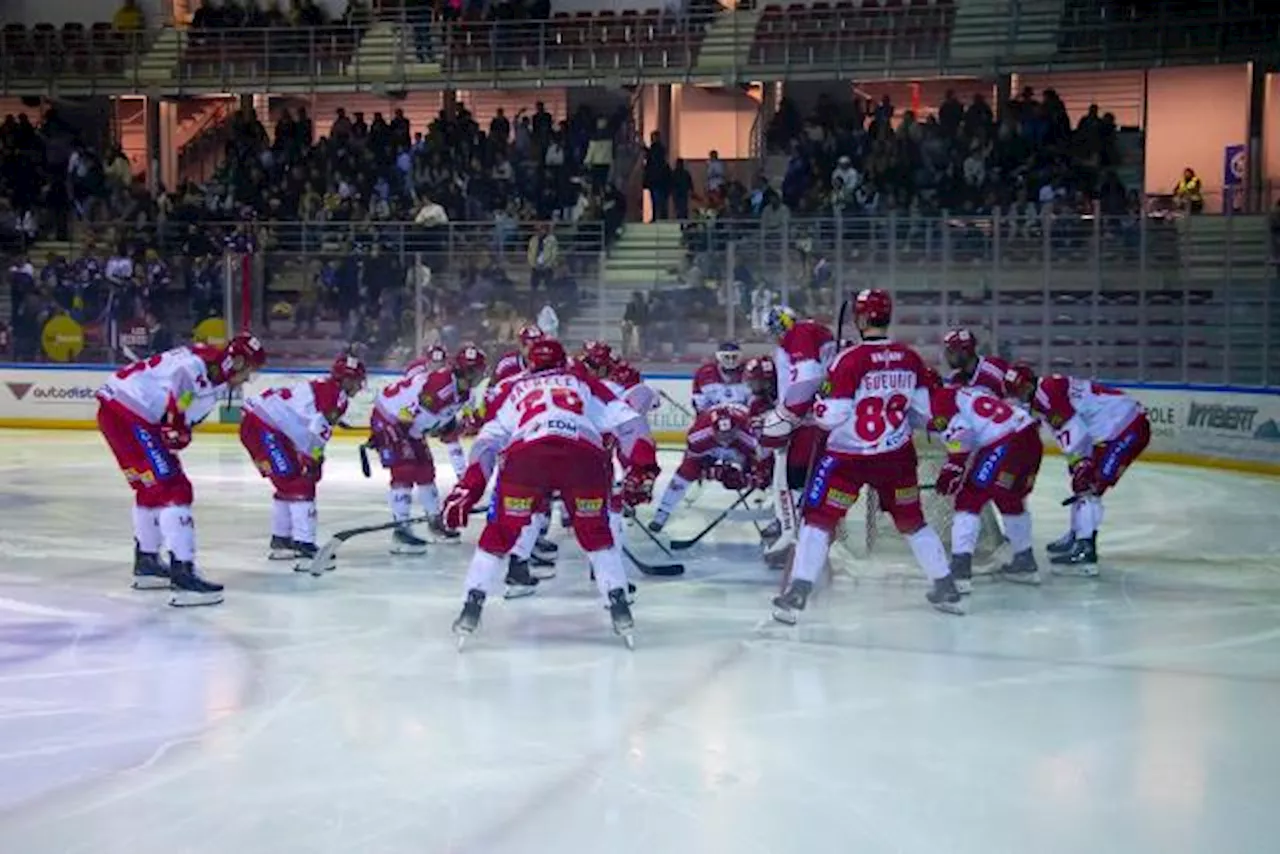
(588, 48)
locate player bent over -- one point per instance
(549, 428)
(960, 348)
(285, 430)
(145, 413)
(404, 415)
(721, 380)
(993, 456)
(875, 387)
(719, 447)
(1101, 430)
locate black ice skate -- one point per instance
(149, 572)
(787, 607)
(1082, 560)
(405, 542)
(659, 521)
(1062, 545)
(962, 572)
(1022, 569)
(631, 588)
(306, 553)
(544, 548)
(281, 548)
(520, 582)
(620, 613)
(442, 534)
(188, 588)
(944, 596)
(542, 568)
(469, 619)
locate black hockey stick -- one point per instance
(364, 460)
(681, 545)
(630, 513)
(679, 406)
(326, 555)
(660, 570)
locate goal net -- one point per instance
(868, 546)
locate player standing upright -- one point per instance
(146, 412)
(875, 386)
(721, 380)
(960, 347)
(549, 429)
(1101, 430)
(404, 415)
(805, 349)
(285, 430)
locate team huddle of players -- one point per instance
(812, 425)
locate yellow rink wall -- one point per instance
(1222, 427)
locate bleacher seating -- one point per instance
(44, 49)
(852, 31)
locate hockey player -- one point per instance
(720, 447)
(404, 415)
(1101, 430)
(435, 358)
(548, 428)
(874, 387)
(513, 362)
(721, 380)
(596, 359)
(960, 348)
(805, 349)
(146, 412)
(761, 378)
(993, 455)
(285, 430)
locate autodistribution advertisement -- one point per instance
(1189, 423)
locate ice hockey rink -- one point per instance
(1133, 713)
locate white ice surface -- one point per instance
(1135, 713)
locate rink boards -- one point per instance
(1217, 426)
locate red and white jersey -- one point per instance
(565, 406)
(876, 387)
(302, 412)
(988, 373)
(713, 386)
(969, 418)
(760, 404)
(802, 358)
(175, 380)
(1081, 413)
(422, 403)
(508, 366)
(638, 396)
(723, 434)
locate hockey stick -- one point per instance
(630, 513)
(681, 545)
(365, 469)
(660, 570)
(326, 555)
(681, 408)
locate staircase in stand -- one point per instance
(726, 46)
(387, 51)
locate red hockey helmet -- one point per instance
(1020, 380)
(722, 424)
(241, 356)
(761, 375)
(960, 347)
(331, 398)
(873, 307)
(597, 356)
(528, 334)
(349, 372)
(469, 364)
(625, 375)
(437, 354)
(546, 354)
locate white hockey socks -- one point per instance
(672, 494)
(618, 529)
(485, 571)
(146, 529)
(927, 547)
(429, 498)
(302, 516)
(1087, 517)
(528, 537)
(179, 531)
(610, 573)
(965, 528)
(1018, 530)
(281, 519)
(812, 546)
(400, 498)
(457, 458)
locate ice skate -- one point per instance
(546, 549)
(520, 582)
(1062, 545)
(770, 534)
(188, 588)
(469, 618)
(1081, 561)
(962, 572)
(1021, 569)
(405, 542)
(631, 588)
(306, 553)
(542, 568)
(441, 534)
(787, 607)
(281, 548)
(945, 597)
(149, 572)
(659, 520)
(620, 613)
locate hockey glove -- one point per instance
(950, 477)
(777, 426)
(637, 486)
(465, 496)
(762, 473)
(1083, 476)
(730, 476)
(312, 463)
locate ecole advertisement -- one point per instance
(1229, 424)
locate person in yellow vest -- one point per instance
(128, 18)
(1189, 193)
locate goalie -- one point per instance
(720, 447)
